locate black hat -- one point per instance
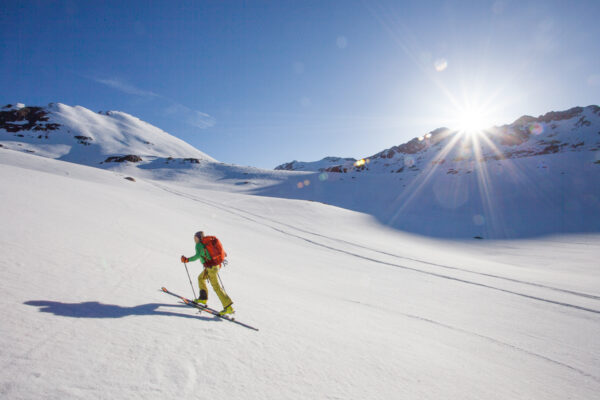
(199, 235)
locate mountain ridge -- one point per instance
(77, 134)
(526, 136)
(526, 179)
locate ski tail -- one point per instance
(206, 309)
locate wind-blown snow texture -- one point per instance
(346, 308)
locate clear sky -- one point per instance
(265, 82)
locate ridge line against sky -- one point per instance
(261, 83)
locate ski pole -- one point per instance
(188, 274)
(223, 286)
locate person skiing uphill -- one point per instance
(210, 272)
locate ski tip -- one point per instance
(164, 289)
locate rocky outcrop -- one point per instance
(25, 119)
(551, 133)
(130, 158)
(85, 140)
(286, 167)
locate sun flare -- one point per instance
(472, 121)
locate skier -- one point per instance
(211, 273)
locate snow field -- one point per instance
(346, 308)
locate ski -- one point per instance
(206, 309)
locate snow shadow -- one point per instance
(457, 206)
(94, 309)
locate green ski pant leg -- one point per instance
(212, 275)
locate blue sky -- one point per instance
(264, 82)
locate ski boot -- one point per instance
(227, 310)
(200, 301)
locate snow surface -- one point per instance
(89, 138)
(347, 308)
(535, 177)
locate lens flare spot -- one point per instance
(440, 64)
(306, 182)
(536, 128)
(323, 176)
(300, 185)
(342, 42)
(478, 219)
(409, 161)
(361, 162)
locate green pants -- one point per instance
(212, 274)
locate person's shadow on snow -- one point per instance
(94, 309)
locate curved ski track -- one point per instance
(238, 212)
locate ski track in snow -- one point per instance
(560, 303)
(411, 316)
(575, 293)
(487, 338)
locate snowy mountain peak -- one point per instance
(323, 164)
(77, 134)
(575, 129)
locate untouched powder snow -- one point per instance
(347, 308)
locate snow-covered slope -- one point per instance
(535, 177)
(511, 198)
(346, 308)
(79, 135)
(573, 130)
(321, 165)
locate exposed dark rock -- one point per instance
(552, 116)
(338, 169)
(286, 167)
(129, 178)
(192, 160)
(560, 115)
(524, 120)
(552, 148)
(513, 136)
(415, 145)
(582, 122)
(130, 158)
(26, 119)
(85, 140)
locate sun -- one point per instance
(472, 120)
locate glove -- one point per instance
(184, 259)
